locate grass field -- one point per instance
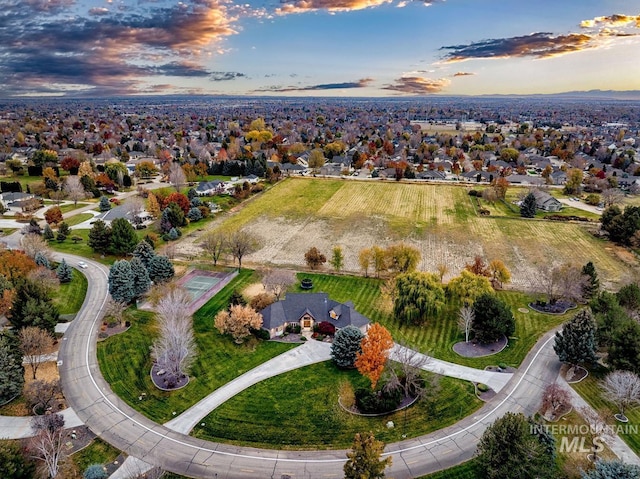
(299, 410)
(589, 388)
(98, 452)
(437, 337)
(77, 219)
(466, 470)
(439, 220)
(125, 361)
(69, 296)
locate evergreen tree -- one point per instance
(191, 194)
(629, 297)
(141, 281)
(160, 269)
(32, 306)
(528, 207)
(64, 272)
(493, 319)
(512, 449)
(123, 237)
(592, 285)
(11, 368)
(41, 260)
(63, 228)
(173, 234)
(612, 470)
(47, 233)
(576, 343)
(364, 458)
(33, 227)
(194, 214)
(121, 285)
(100, 237)
(95, 471)
(13, 463)
(104, 204)
(624, 352)
(144, 252)
(345, 346)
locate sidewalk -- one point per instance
(20, 427)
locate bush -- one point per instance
(303, 339)
(261, 334)
(95, 471)
(483, 388)
(377, 402)
(326, 328)
(293, 328)
(502, 366)
(475, 193)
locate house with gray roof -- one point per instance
(309, 309)
(546, 202)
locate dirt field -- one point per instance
(438, 219)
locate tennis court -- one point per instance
(203, 285)
(198, 285)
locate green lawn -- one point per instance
(69, 296)
(591, 392)
(77, 219)
(300, 409)
(437, 337)
(125, 361)
(98, 452)
(466, 470)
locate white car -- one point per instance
(82, 264)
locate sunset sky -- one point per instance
(95, 48)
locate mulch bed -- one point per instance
(498, 369)
(106, 331)
(573, 374)
(486, 395)
(475, 349)
(160, 380)
(559, 307)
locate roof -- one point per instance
(209, 185)
(318, 305)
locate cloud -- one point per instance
(108, 51)
(463, 74)
(415, 85)
(595, 33)
(327, 86)
(301, 6)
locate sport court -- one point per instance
(203, 285)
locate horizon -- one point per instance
(321, 48)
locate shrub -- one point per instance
(502, 366)
(293, 328)
(261, 334)
(303, 339)
(475, 193)
(483, 388)
(95, 471)
(326, 328)
(377, 402)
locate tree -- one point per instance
(402, 258)
(152, 205)
(144, 252)
(7, 293)
(48, 444)
(238, 322)
(146, 169)
(379, 258)
(364, 259)
(47, 232)
(442, 270)
(337, 258)
(622, 388)
(34, 343)
(629, 297)
(624, 351)
(74, 189)
(53, 215)
(612, 196)
(104, 204)
(316, 160)
(573, 186)
(11, 369)
(181, 200)
(528, 206)
(100, 237)
(123, 237)
(33, 306)
(32, 244)
(346, 345)
(13, 462)
(576, 343)
(242, 243)
(555, 399)
(69, 163)
(364, 458)
(141, 281)
(64, 272)
(592, 283)
(277, 281)
(175, 348)
(33, 227)
(478, 267)
(160, 269)
(372, 358)
(468, 286)
(214, 244)
(405, 372)
(314, 258)
(176, 176)
(614, 469)
(121, 285)
(261, 301)
(514, 448)
(42, 260)
(418, 297)
(95, 471)
(499, 273)
(493, 319)
(466, 316)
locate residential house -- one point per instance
(309, 309)
(210, 188)
(546, 202)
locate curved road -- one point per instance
(114, 421)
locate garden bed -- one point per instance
(559, 307)
(161, 381)
(475, 349)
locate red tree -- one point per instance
(181, 200)
(68, 163)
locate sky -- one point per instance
(350, 48)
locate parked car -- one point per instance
(82, 264)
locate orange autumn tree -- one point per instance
(374, 353)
